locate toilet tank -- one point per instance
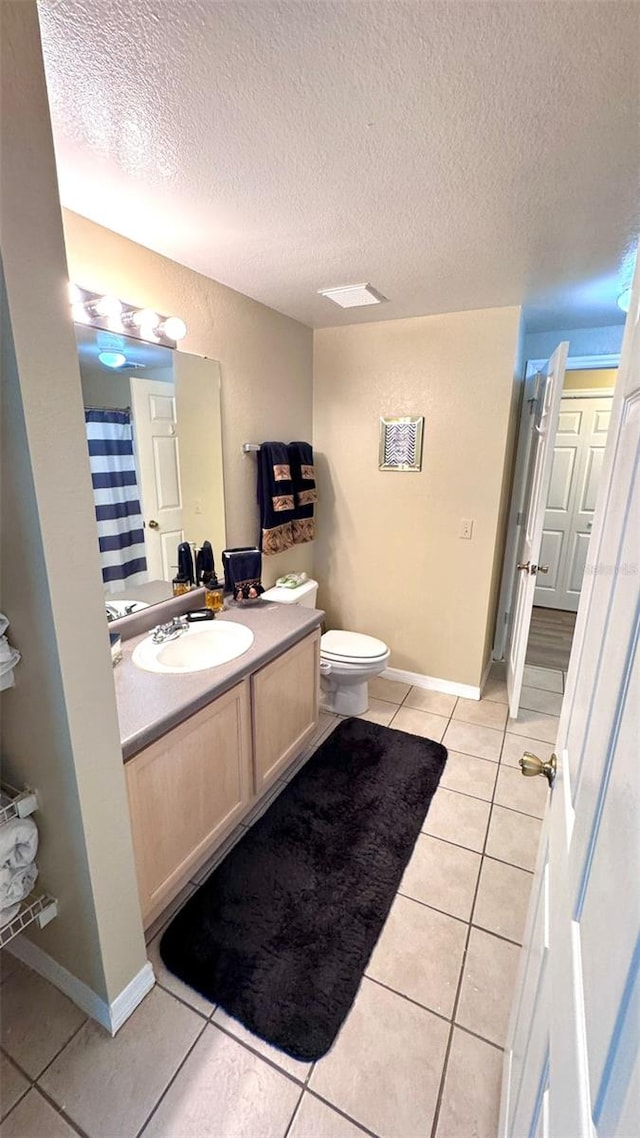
(305, 595)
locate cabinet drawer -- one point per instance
(186, 791)
(284, 708)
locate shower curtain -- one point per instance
(116, 498)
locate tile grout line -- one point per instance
(62, 1113)
(445, 1065)
(295, 1111)
(265, 1058)
(172, 1080)
(343, 1114)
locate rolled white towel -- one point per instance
(7, 915)
(18, 842)
(15, 884)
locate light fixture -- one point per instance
(353, 296)
(142, 318)
(101, 311)
(108, 306)
(624, 300)
(112, 359)
(173, 327)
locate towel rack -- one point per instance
(248, 448)
(38, 907)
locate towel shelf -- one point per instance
(16, 803)
(38, 907)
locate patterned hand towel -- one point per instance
(304, 491)
(275, 498)
(242, 572)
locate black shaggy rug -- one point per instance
(281, 932)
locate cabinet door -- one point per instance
(186, 791)
(285, 708)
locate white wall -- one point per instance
(582, 342)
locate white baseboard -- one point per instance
(110, 1016)
(432, 683)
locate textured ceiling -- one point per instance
(455, 155)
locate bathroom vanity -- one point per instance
(201, 749)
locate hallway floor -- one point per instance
(421, 1051)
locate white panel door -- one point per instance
(154, 414)
(572, 1065)
(575, 475)
(545, 426)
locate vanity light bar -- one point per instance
(114, 315)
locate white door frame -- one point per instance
(504, 614)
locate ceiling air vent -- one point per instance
(353, 296)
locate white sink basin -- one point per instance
(202, 646)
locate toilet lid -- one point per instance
(339, 645)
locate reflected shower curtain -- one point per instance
(116, 498)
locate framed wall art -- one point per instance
(401, 443)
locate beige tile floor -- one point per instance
(420, 1053)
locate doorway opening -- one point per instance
(583, 415)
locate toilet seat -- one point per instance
(352, 648)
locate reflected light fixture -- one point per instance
(112, 359)
(624, 300)
(109, 311)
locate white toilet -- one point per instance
(347, 659)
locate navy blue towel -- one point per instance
(305, 495)
(205, 565)
(275, 498)
(185, 562)
(242, 573)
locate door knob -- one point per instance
(526, 565)
(539, 568)
(154, 525)
(531, 765)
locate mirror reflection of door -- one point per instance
(153, 402)
(578, 451)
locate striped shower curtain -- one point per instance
(117, 502)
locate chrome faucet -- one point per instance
(170, 630)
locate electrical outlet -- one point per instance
(197, 506)
(466, 528)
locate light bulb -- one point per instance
(108, 306)
(173, 328)
(112, 359)
(75, 294)
(624, 300)
(145, 318)
(80, 314)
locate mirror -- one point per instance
(155, 443)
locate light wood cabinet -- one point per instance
(189, 789)
(186, 792)
(284, 702)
